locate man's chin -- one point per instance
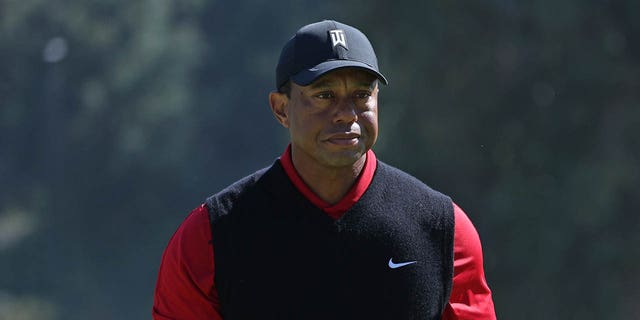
(344, 158)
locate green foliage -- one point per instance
(116, 118)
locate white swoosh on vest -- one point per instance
(398, 265)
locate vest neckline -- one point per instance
(335, 211)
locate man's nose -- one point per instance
(345, 111)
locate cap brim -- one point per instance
(307, 76)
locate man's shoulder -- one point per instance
(393, 175)
(244, 182)
(226, 197)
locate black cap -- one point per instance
(321, 47)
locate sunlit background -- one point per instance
(119, 117)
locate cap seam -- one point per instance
(370, 65)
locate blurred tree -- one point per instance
(96, 99)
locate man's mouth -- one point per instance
(346, 139)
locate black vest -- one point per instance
(277, 256)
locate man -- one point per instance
(327, 231)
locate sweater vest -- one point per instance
(277, 256)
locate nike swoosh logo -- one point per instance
(398, 265)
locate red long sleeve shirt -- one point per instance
(186, 290)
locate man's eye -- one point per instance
(363, 95)
(324, 95)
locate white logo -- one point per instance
(398, 265)
(338, 38)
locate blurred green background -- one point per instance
(119, 117)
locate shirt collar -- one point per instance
(355, 193)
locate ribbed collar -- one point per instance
(337, 210)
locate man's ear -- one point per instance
(278, 102)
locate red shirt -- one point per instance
(186, 290)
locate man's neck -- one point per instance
(331, 184)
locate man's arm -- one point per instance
(185, 288)
(470, 294)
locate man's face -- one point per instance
(334, 120)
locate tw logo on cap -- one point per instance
(338, 38)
